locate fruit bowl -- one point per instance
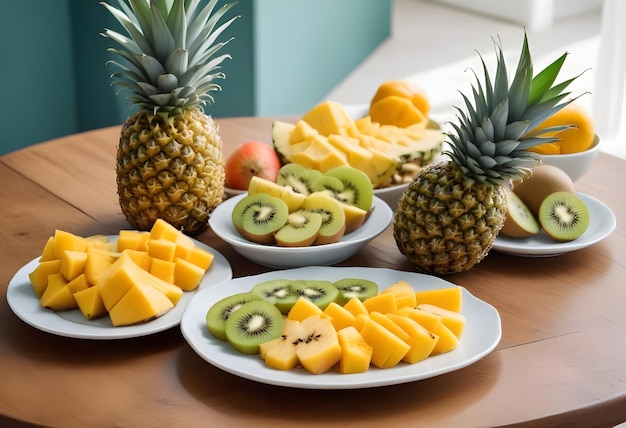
(291, 257)
(575, 164)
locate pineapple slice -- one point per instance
(388, 349)
(339, 316)
(356, 353)
(448, 298)
(455, 321)
(421, 340)
(383, 303)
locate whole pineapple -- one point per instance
(448, 218)
(170, 163)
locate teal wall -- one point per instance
(286, 55)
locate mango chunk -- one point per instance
(73, 264)
(141, 303)
(355, 307)
(39, 276)
(339, 316)
(161, 229)
(57, 296)
(356, 353)
(48, 252)
(448, 298)
(90, 303)
(383, 303)
(162, 249)
(133, 240)
(455, 321)
(387, 348)
(302, 309)
(421, 340)
(404, 293)
(187, 275)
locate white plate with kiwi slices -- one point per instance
(601, 224)
(24, 303)
(481, 335)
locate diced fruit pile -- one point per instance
(546, 200)
(140, 277)
(327, 137)
(347, 324)
(304, 206)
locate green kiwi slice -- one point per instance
(355, 287)
(329, 185)
(320, 292)
(278, 292)
(258, 216)
(301, 229)
(563, 216)
(333, 217)
(357, 187)
(298, 177)
(253, 323)
(219, 312)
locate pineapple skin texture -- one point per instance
(170, 168)
(445, 224)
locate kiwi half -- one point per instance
(256, 217)
(320, 292)
(563, 216)
(253, 323)
(355, 287)
(279, 292)
(219, 312)
(333, 217)
(357, 187)
(519, 221)
(300, 230)
(297, 177)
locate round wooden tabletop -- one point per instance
(561, 360)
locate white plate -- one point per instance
(601, 224)
(25, 304)
(290, 257)
(481, 334)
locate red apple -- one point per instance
(250, 159)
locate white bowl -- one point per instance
(290, 257)
(391, 195)
(575, 164)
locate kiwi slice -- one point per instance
(563, 216)
(320, 292)
(357, 187)
(297, 177)
(355, 287)
(279, 292)
(329, 185)
(333, 217)
(258, 216)
(519, 221)
(219, 312)
(301, 229)
(253, 323)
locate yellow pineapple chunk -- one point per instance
(405, 294)
(448, 298)
(90, 303)
(355, 307)
(97, 261)
(320, 155)
(133, 240)
(447, 340)
(161, 229)
(201, 257)
(187, 275)
(383, 303)
(163, 269)
(141, 258)
(302, 309)
(57, 296)
(455, 321)
(64, 241)
(319, 350)
(387, 323)
(116, 283)
(39, 276)
(387, 348)
(141, 303)
(421, 340)
(339, 316)
(330, 117)
(78, 284)
(428, 320)
(73, 264)
(48, 252)
(99, 241)
(356, 353)
(162, 249)
(359, 321)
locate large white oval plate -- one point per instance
(25, 304)
(601, 224)
(481, 335)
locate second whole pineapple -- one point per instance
(170, 163)
(450, 215)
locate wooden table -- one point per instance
(561, 360)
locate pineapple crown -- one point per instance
(168, 60)
(490, 144)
